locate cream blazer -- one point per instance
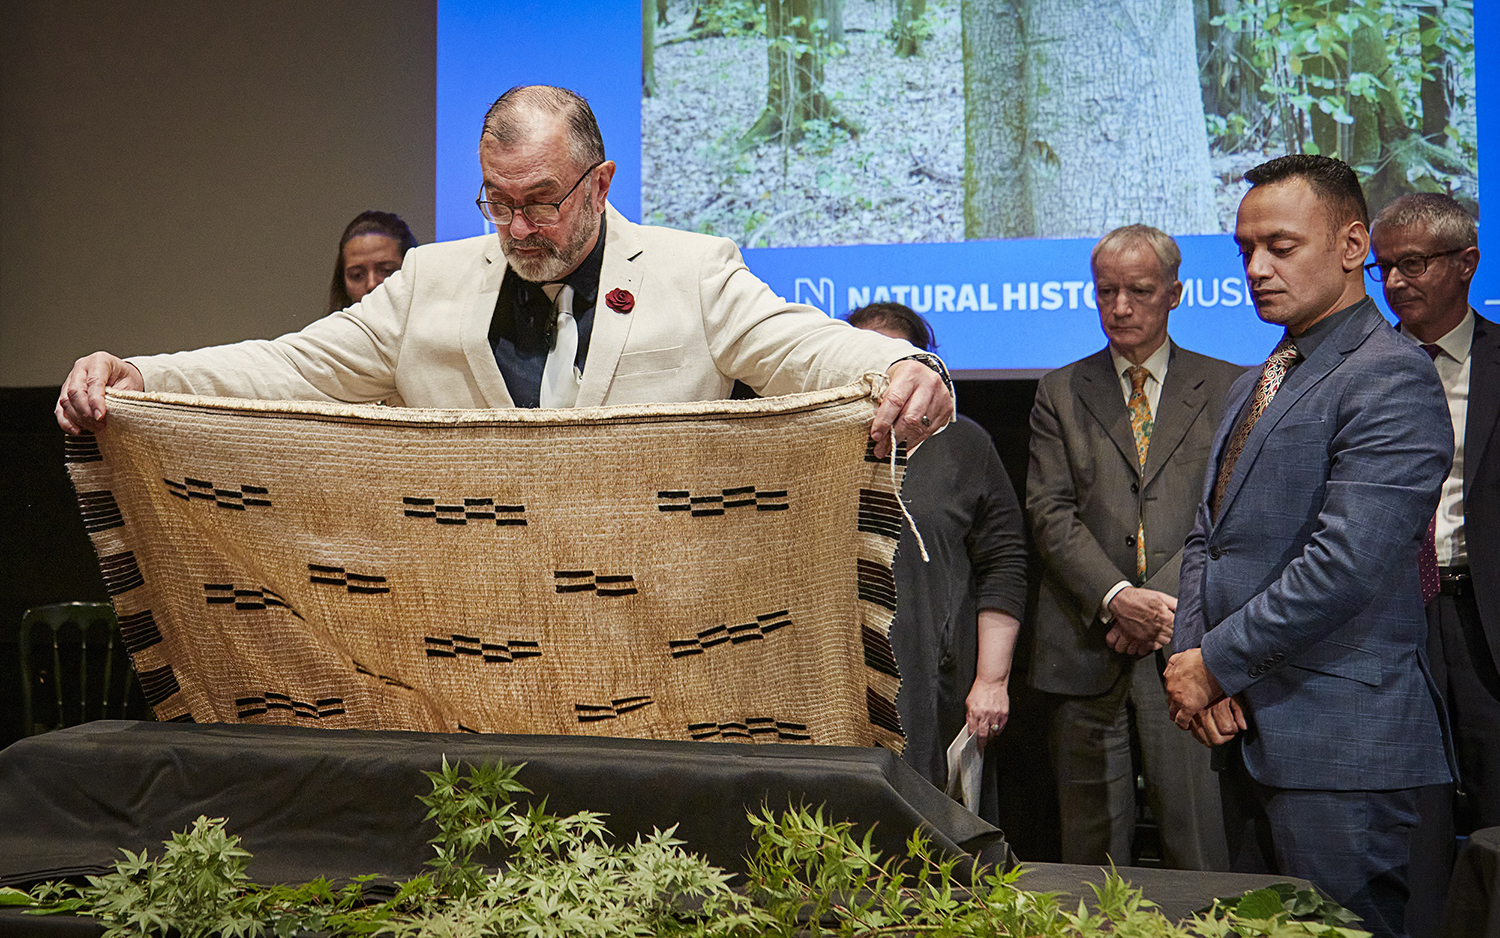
(700, 321)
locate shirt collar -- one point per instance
(1155, 363)
(1307, 343)
(1457, 342)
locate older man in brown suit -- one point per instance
(1119, 445)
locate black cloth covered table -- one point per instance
(339, 803)
(1473, 909)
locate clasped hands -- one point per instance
(1142, 621)
(1197, 703)
(1142, 624)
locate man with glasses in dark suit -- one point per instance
(1426, 249)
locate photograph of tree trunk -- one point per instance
(814, 122)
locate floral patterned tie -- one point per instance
(1265, 389)
(1140, 427)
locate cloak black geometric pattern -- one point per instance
(682, 571)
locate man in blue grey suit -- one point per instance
(1300, 618)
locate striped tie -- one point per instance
(1140, 427)
(1265, 389)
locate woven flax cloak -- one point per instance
(687, 571)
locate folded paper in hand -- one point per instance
(965, 769)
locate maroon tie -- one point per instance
(1427, 565)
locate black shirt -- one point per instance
(522, 330)
(1307, 343)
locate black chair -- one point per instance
(74, 668)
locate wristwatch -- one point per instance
(936, 364)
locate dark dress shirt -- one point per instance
(523, 328)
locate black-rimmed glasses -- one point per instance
(1411, 266)
(539, 214)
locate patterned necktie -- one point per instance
(1265, 389)
(1427, 565)
(1140, 427)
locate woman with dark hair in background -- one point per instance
(370, 250)
(957, 617)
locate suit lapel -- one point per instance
(1484, 396)
(1330, 354)
(1098, 389)
(1182, 398)
(474, 332)
(619, 270)
(1234, 403)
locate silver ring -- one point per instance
(926, 421)
(994, 727)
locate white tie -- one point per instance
(560, 375)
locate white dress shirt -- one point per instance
(1453, 365)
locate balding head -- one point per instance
(527, 111)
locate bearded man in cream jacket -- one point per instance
(568, 304)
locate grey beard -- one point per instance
(539, 269)
(557, 261)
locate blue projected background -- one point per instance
(1015, 306)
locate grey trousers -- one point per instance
(1090, 743)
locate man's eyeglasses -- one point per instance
(539, 214)
(1411, 266)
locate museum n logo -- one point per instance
(819, 294)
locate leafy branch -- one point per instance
(1384, 85)
(810, 875)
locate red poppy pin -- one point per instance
(621, 301)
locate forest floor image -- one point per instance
(899, 181)
(1105, 127)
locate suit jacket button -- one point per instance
(1135, 486)
(1279, 656)
(1214, 552)
(1130, 540)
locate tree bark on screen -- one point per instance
(648, 48)
(909, 14)
(833, 11)
(795, 45)
(996, 198)
(1114, 130)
